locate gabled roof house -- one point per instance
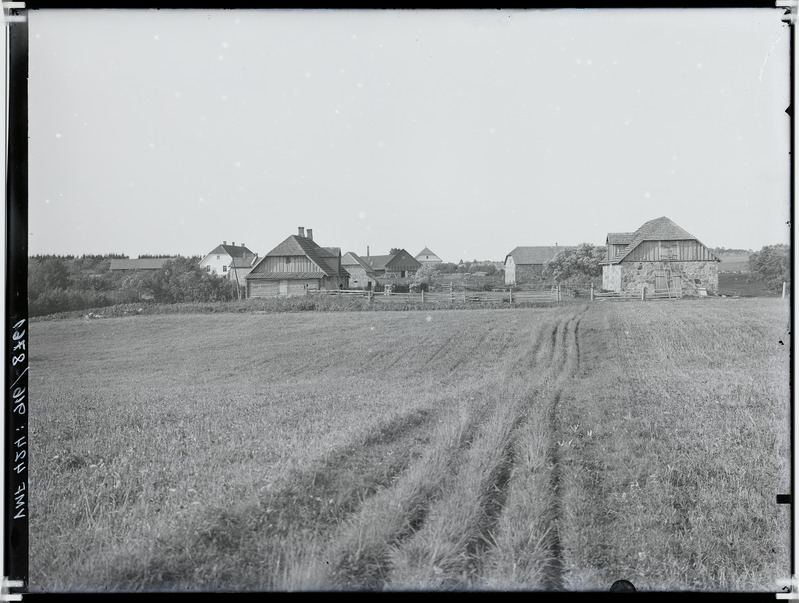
(398, 267)
(362, 276)
(427, 257)
(659, 255)
(296, 266)
(525, 264)
(217, 261)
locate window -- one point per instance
(217, 257)
(288, 260)
(224, 268)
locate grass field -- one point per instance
(555, 448)
(738, 284)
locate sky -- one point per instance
(468, 132)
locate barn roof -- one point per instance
(243, 262)
(402, 260)
(353, 259)
(535, 255)
(426, 252)
(620, 238)
(326, 258)
(378, 262)
(659, 229)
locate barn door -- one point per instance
(661, 280)
(284, 288)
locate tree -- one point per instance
(577, 265)
(179, 280)
(423, 278)
(771, 265)
(394, 250)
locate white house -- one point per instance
(428, 258)
(218, 261)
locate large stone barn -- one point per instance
(659, 255)
(296, 266)
(526, 264)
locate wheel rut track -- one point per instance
(357, 572)
(554, 573)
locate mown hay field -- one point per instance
(557, 448)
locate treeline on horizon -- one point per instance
(65, 283)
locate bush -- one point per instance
(771, 265)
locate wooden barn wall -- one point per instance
(656, 251)
(615, 250)
(262, 288)
(297, 264)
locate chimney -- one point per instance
(301, 231)
(224, 242)
(367, 251)
(310, 233)
(233, 243)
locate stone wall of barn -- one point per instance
(694, 275)
(611, 277)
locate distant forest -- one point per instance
(65, 283)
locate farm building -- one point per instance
(219, 259)
(659, 255)
(239, 268)
(296, 266)
(427, 258)
(140, 264)
(398, 267)
(361, 274)
(525, 264)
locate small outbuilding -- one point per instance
(526, 264)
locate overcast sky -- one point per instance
(470, 132)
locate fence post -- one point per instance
(510, 292)
(464, 295)
(643, 290)
(559, 293)
(422, 295)
(592, 291)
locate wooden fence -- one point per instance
(450, 297)
(548, 294)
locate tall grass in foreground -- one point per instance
(678, 441)
(175, 452)
(545, 449)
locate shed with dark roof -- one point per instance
(526, 264)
